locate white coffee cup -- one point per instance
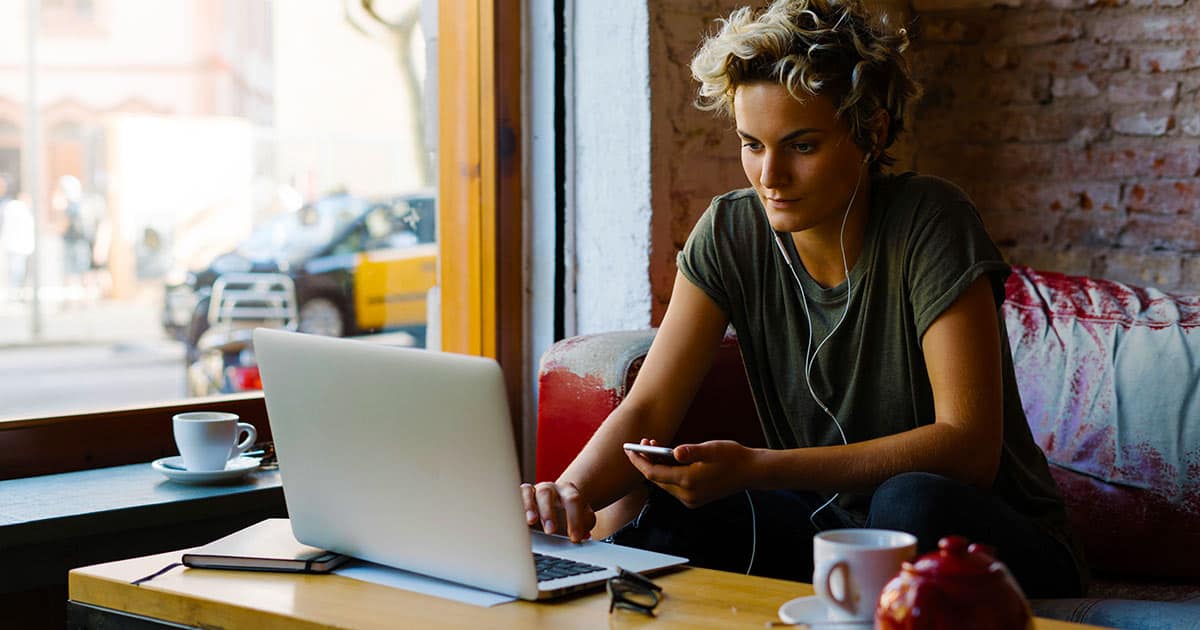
(207, 440)
(851, 567)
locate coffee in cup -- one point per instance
(207, 440)
(851, 567)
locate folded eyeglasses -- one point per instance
(632, 591)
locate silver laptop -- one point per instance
(406, 458)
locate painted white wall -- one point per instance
(611, 170)
(542, 179)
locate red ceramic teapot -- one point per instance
(957, 586)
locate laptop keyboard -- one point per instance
(552, 568)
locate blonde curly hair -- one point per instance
(833, 47)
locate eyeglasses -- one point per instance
(632, 591)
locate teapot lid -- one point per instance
(956, 557)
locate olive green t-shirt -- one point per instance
(925, 244)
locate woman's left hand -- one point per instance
(709, 470)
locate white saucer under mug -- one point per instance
(173, 468)
(811, 610)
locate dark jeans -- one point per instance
(718, 535)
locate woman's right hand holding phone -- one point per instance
(559, 508)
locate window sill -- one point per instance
(43, 446)
(53, 523)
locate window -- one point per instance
(73, 18)
(292, 131)
(177, 143)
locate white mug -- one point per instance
(851, 567)
(207, 440)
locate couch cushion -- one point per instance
(582, 379)
(1110, 381)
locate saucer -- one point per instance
(173, 468)
(811, 610)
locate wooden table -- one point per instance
(695, 598)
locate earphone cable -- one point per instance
(753, 533)
(809, 361)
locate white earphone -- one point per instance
(809, 361)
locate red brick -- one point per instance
(1125, 89)
(1156, 3)
(997, 127)
(1142, 124)
(1143, 27)
(1048, 196)
(1166, 59)
(1074, 260)
(1010, 228)
(1151, 269)
(1061, 5)
(1132, 158)
(1015, 124)
(1077, 86)
(1002, 88)
(1190, 277)
(935, 29)
(1190, 125)
(1011, 124)
(1030, 29)
(1089, 229)
(933, 63)
(926, 6)
(1000, 58)
(1179, 197)
(1073, 57)
(1000, 162)
(1052, 126)
(1147, 232)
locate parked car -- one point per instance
(356, 266)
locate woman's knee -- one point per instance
(923, 504)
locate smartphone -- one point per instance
(656, 454)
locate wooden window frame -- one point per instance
(479, 186)
(480, 214)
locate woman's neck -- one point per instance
(820, 247)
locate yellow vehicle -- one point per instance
(357, 266)
(375, 275)
(390, 287)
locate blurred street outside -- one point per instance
(92, 353)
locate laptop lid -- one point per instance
(406, 458)
(398, 456)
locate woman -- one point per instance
(866, 307)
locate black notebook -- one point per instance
(265, 546)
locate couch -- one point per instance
(1109, 376)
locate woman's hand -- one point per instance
(709, 470)
(559, 508)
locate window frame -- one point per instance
(480, 171)
(480, 255)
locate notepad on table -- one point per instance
(265, 546)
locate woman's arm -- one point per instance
(962, 354)
(680, 356)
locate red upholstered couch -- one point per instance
(1110, 381)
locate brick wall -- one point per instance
(1073, 124)
(694, 155)
(1075, 127)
